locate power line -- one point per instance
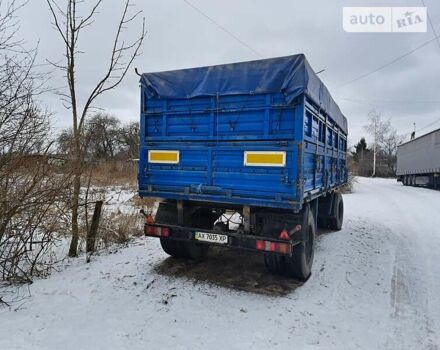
(407, 133)
(397, 59)
(223, 29)
(371, 105)
(431, 24)
(388, 101)
(430, 124)
(424, 128)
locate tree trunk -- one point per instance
(77, 166)
(73, 250)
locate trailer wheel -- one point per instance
(299, 266)
(167, 214)
(324, 207)
(413, 180)
(201, 218)
(174, 248)
(335, 222)
(184, 250)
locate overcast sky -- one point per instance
(178, 37)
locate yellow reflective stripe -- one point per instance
(167, 157)
(264, 158)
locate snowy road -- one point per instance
(375, 285)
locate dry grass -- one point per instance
(146, 203)
(348, 187)
(120, 217)
(114, 173)
(120, 227)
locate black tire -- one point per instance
(323, 222)
(167, 214)
(299, 265)
(184, 250)
(174, 248)
(200, 218)
(325, 205)
(337, 219)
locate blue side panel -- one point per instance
(212, 133)
(324, 152)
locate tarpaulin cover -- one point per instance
(291, 75)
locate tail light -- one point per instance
(283, 248)
(157, 231)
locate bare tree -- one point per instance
(29, 189)
(103, 130)
(100, 139)
(385, 144)
(377, 129)
(70, 24)
(388, 149)
(129, 139)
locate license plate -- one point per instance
(211, 237)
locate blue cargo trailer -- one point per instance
(263, 139)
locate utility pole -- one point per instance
(413, 134)
(374, 148)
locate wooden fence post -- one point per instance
(91, 234)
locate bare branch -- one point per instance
(70, 24)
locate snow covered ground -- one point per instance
(375, 285)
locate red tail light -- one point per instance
(165, 232)
(283, 248)
(157, 231)
(260, 245)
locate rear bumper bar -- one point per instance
(235, 240)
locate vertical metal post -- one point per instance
(180, 212)
(374, 148)
(247, 219)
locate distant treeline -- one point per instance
(104, 138)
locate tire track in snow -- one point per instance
(412, 279)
